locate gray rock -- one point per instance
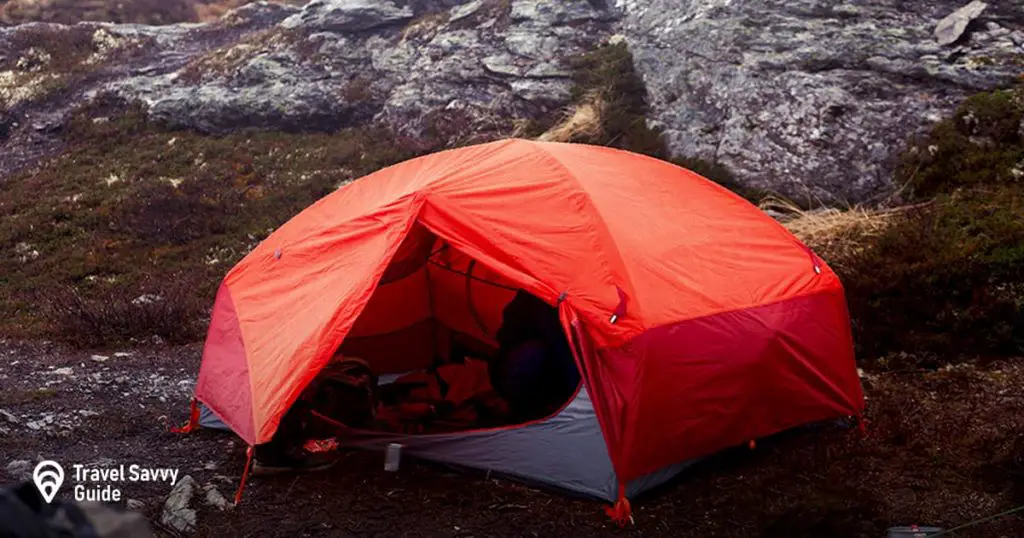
(6, 415)
(135, 505)
(348, 15)
(340, 63)
(176, 513)
(952, 27)
(461, 12)
(812, 98)
(214, 498)
(20, 469)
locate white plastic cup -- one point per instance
(393, 457)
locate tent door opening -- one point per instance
(456, 346)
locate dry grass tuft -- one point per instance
(834, 233)
(584, 120)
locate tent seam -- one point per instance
(595, 215)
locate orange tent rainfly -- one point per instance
(698, 322)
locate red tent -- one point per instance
(698, 321)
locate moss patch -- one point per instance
(130, 204)
(19, 397)
(608, 75)
(606, 79)
(982, 144)
(944, 279)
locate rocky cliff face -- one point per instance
(812, 97)
(806, 97)
(459, 70)
(122, 11)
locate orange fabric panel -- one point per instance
(690, 247)
(295, 308)
(451, 304)
(412, 254)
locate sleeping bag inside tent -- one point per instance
(691, 321)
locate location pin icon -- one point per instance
(48, 476)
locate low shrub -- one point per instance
(161, 212)
(607, 76)
(171, 309)
(947, 277)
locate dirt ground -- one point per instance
(944, 447)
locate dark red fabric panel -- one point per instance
(710, 383)
(403, 350)
(411, 256)
(224, 384)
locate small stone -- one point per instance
(123, 354)
(953, 27)
(463, 11)
(8, 416)
(147, 298)
(214, 498)
(63, 371)
(100, 358)
(135, 505)
(20, 469)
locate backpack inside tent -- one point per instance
(693, 320)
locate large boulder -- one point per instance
(812, 97)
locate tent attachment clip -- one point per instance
(621, 512)
(193, 420)
(621, 309)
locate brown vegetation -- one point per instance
(131, 205)
(120, 11)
